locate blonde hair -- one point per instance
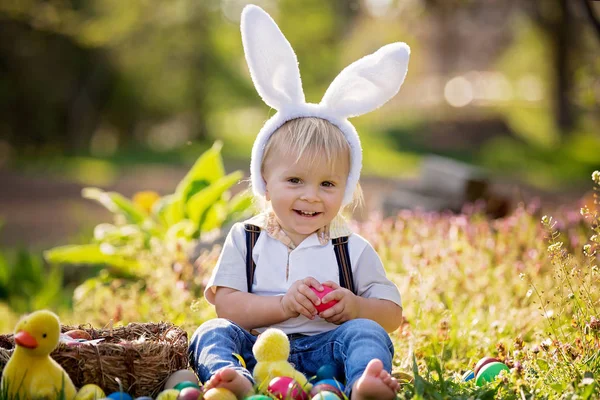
(311, 139)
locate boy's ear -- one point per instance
(267, 195)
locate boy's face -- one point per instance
(305, 196)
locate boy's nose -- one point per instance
(310, 194)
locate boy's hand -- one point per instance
(299, 299)
(346, 307)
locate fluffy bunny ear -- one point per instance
(271, 59)
(368, 83)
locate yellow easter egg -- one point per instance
(219, 394)
(169, 394)
(90, 392)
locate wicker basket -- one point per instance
(141, 356)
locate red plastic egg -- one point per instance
(324, 306)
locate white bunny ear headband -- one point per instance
(361, 87)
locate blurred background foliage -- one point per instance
(125, 96)
(501, 84)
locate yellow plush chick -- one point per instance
(30, 371)
(271, 351)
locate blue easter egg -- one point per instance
(119, 396)
(327, 371)
(467, 376)
(144, 398)
(331, 382)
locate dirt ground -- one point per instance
(40, 211)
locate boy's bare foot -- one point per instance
(375, 383)
(230, 379)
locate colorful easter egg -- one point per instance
(467, 376)
(183, 375)
(336, 384)
(489, 372)
(119, 396)
(144, 398)
(327, 371)
(219, 394)
(284, 387)
(323, 387)
(258, 397)
(90, 392)
(186, 384)
(482, 362)
(324, 306)
(168, 394)
(326, 396)
(78, 334)
(190, 393)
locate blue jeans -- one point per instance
(349, 347)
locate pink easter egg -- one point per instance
(324, 306)
(284, 387)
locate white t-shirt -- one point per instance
(309, 258)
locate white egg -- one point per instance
(182, 375)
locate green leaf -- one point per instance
(419, 383)
(183, 229)
(241, 202)
(214, 217)
(239, 207)
(588, 391)
(169, 210)
(28, 269)
(209, 168)
(543, 364)
(90, 254)
(193, 188)
(4, 272)
(202, 201)
(50, 292)
(115, 203)
(558, 387)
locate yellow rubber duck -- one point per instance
(271, 351)
(30, 371)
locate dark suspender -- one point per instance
(340, 246)
(252, 233)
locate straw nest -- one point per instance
(140, 356)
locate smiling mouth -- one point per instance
(307, 213)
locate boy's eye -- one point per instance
(328, 184)
(294, 180)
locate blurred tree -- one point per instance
(563, 22)
(557, 20)
(69, 67)
(52, 88)
(591, 13)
